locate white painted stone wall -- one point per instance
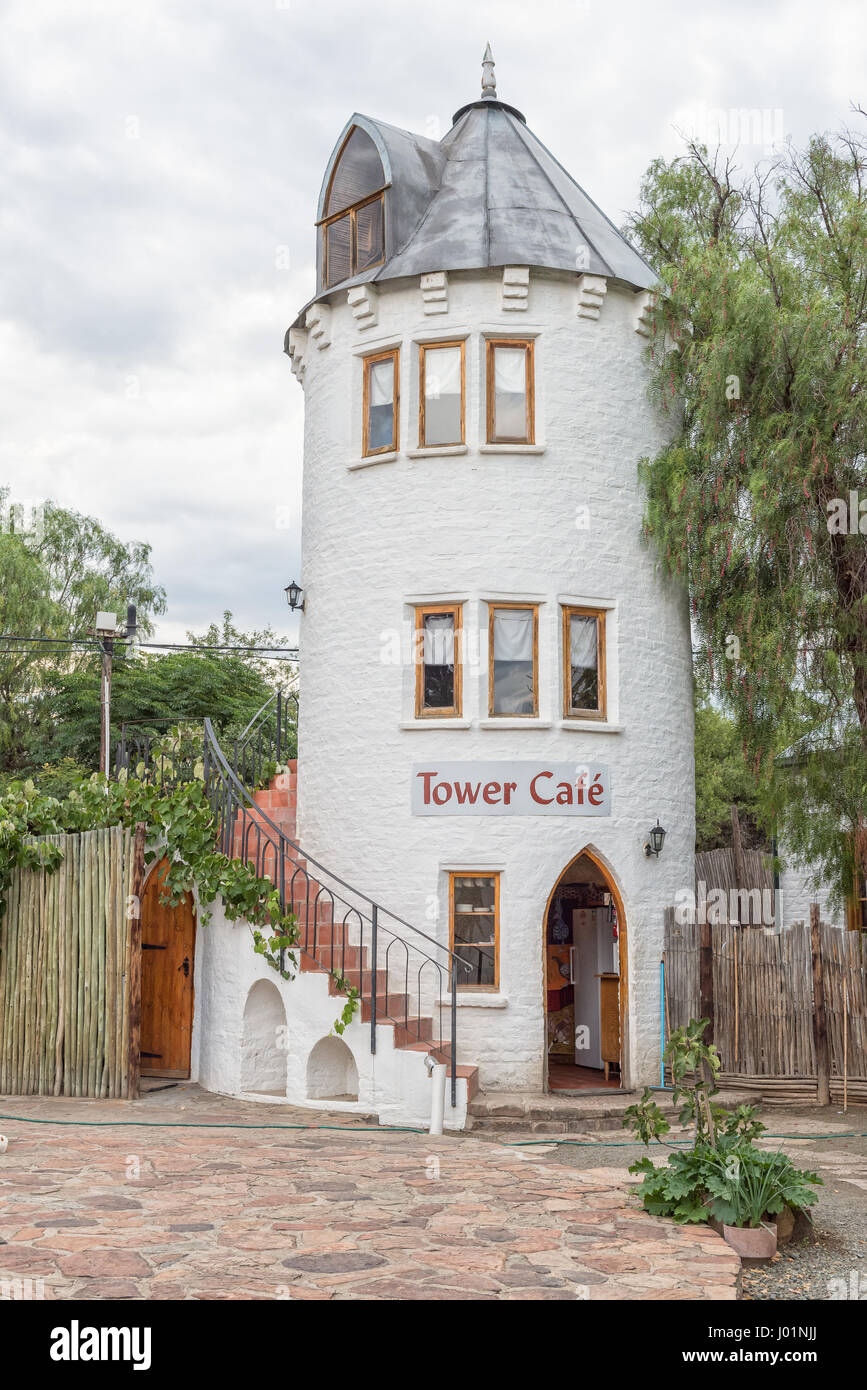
(494, 523)
(393, 1084)
(797, 893)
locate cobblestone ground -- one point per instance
(144, 1212)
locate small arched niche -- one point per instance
(263, 1041)
(331, 1071)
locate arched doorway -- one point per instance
(585, 980)
(168, 938)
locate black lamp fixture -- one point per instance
(295, 596)
(656, 841)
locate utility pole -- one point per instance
(107, 633)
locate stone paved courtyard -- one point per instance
(193, 1213)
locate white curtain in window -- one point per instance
(513, 634)
(510, 370)
(442, 372)
(583, 643)
(439, 639)
(381, 385)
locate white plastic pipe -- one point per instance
(437, 1073)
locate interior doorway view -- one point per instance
(583, 951)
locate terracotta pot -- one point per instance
(752, 1242)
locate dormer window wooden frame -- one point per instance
(330, 228)
(353, 236)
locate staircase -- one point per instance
(340, 934)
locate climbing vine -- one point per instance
(179, 826)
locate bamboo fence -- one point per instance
(64, 971)
(716, 869)
(764, 1019)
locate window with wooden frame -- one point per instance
(474, 928)
(353, 224)
(513, 659)
(584, 691)
(857, 905)
(438, 667)
(510, 391)
(381, 402)
(441, 394)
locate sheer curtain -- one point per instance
(510, 393)
(584, 661)
(442, 396)
(380, 405)
(514, 656)
(513, 634)
(439, 639)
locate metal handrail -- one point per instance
(231, 799)
(259, 713)
(265, 739)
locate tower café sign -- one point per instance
(510, 789)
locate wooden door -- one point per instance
(168, 941)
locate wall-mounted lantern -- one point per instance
(295, 596)
(656, 841)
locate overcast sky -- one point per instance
(159, 169)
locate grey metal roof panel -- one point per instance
(505, 200)
(488, 194)
(623, 260)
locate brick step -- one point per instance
(394, 1006)
(362, 981)
(556, 1113)
(346, 959)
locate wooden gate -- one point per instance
(168, 936)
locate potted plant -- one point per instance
(723, 1178)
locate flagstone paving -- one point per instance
(319, 1213)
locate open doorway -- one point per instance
(584, 979)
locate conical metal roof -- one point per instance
(488, 194)
(503, 199)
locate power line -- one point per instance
(16, 651)
(263, 653)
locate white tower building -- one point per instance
(496, 689)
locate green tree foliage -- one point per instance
(57, 569)
(174, 687)
(254, 647)
(759, 357)
(89, 570)
(723, 780)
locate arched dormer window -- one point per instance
(353, 221)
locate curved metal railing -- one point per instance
(399, 971)
(266, 742)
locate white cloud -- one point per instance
(154, 157)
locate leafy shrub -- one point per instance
(724, 1175)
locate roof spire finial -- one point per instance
(489, 81)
